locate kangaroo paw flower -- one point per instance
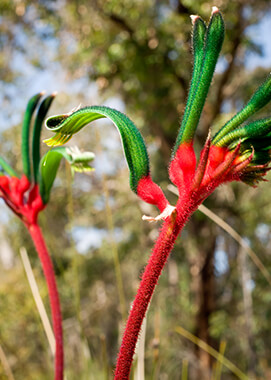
(237, 152)
(29, 194)
(133, 145)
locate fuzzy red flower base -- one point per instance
(21, 197)
(195, 183)
(24, 199)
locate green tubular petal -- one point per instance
(49, 165)
(263, 143)
(42, 111)
(256, 129)
(261, 158)
(7, 168)
(133, 144)
(260, 98)
(198, 40)
(31, 106)
(203, 75)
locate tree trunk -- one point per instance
(204, 287)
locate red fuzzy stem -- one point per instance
(48, 270)
(163, 246)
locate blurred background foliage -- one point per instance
(133, 55)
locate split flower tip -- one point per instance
(215, 10)
(168, 212)
(194, 18)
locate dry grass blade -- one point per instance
(140, 350)
(5, 364)
(37, 298)
(218, 365)
(226, 227)
(211, 351)
(185, 369)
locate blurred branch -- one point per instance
(249, 338)
(183, 9)
(165, 143)
(180, 79)
(120, 22)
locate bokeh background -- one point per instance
(133, 55)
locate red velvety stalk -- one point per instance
(48, 271)
(163, 246)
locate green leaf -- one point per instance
(31, 106)
(65, 126)
(7, 168)
(49, 165)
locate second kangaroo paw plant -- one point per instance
(238, 152)
(29, 194)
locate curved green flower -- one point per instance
(66, 125)
(27, 195)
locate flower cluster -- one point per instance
(27, 195)
(237, 152)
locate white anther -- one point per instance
(168, 211)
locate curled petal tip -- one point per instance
(194, 18)
(168, 211)
(54, 93)
(214, 10)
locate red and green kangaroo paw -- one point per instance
(65, 126)
(206, 48)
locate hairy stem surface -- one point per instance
(163, 246)
(48, 270)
